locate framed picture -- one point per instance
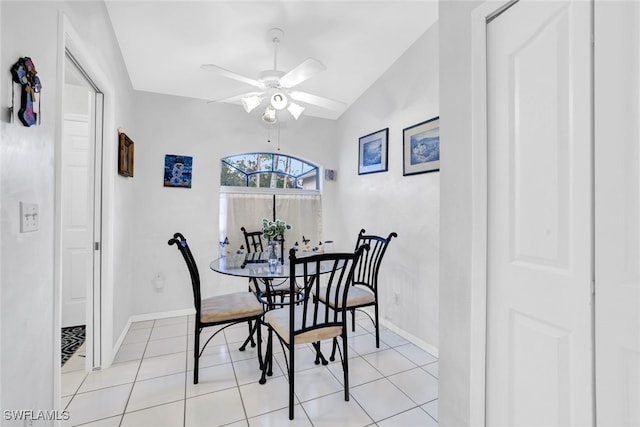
(372, 152)
(421, 147)
(125, 155)
(177, 171)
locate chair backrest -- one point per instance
(366, 272)
(181, 243)
(253, 240)
(328, 274)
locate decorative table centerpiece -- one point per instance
(273, 231)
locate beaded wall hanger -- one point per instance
(24, 73)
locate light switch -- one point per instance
(28, 217)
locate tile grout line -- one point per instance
(135, 378)
(235, 376)
(186, 372)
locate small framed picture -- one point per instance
(177, 171)
(421, 147)
(373, 151)
(125, 155)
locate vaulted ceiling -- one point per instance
(164, 43)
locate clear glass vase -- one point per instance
(273, 254)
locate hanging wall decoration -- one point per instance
(421, 147)
(125, 155)
(24, 73)
(177, 171)
(373, 151)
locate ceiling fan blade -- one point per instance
(307, 69)
(231, 75)
(320, 101)
(236, 99)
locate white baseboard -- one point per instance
(143, 318)
(160, 315)
(406, 335)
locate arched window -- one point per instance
(268, 170)
(254, 186)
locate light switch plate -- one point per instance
(29, 220)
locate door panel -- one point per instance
(539, 266)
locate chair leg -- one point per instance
(291, 378)
(266, 364)
(377, 325)
(259, 335)
(333, 350)
(345, 366)
(252, 329)
(319, 355)
(353, 320)
(196, 354)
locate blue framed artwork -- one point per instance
(177, 171)
(372, 152)
(421, 146)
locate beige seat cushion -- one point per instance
(356, 296)
(279, 320)
(228, 307)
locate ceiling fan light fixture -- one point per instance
(279, 100)
(251, 102)
(269, 115)
(295, 110)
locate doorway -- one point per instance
(80, 206)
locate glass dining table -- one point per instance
(254, 265)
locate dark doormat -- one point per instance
(72, 338)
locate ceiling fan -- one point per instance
(277, 86)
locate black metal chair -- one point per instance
(309, 320)
(228, 309)
(364, 291)
(253, 241)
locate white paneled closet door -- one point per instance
(540, 215)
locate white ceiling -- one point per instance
(165, 42)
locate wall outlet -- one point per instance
(29, 217)
(158, 281)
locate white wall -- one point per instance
(27, 160)
(388, 201)
(456, 213)
(207, 132)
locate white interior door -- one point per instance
(539, 259)
(617, 163)
(77, 219)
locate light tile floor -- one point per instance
(151, 383)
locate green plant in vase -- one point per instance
(272, 231)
